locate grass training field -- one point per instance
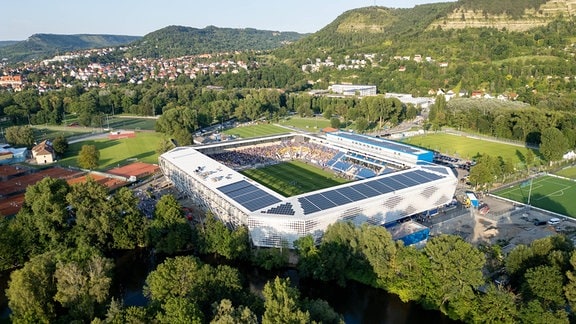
(550, 193)
(569, 172)
(309, 124)
(256, 131)
(118, 152)
(50, 132)
(468, 148)
(294, 178)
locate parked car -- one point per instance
(554, 221)
(538, 222)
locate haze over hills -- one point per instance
(174, 41)
(41, 45)
(171, 41)
(369, 29)
(7, 43)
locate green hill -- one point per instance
(511, 15)
(375, 29)
(7, 43)
(366, 28)
(175, 41)
(39, 46)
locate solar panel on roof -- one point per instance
(283, 209)
(360, 191)
(336, 197)
(234, 186)
(380, 186)
(351, 193)
(407, 179)
(366, 190)
(307, 206)
(248, 195)
(418, 177)
(321, 202)
(428, 176)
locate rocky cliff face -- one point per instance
(466, 18)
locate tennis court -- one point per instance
(547, 192)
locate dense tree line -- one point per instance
(60, 239)
(58, 244)
(507, 120)
(449, 274)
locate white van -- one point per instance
(554, 221)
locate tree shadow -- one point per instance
(521, 156)
(545, 202)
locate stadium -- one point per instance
(388, 182)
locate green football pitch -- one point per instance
(294, 178)
(118, 152)
(256, 131)
(469, 147)
(550, 193)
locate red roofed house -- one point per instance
(43, 153)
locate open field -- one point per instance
(131, 123)
(547, 192)
(569, 172)
(42, 132)
(313, 124)
(118, 152)
(294, 178)
(469, 148)
(533, 58)
(256, 131)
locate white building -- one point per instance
(273, 219)
(352, 89)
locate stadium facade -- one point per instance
(403, 182)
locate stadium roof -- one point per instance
(253, 197)
(379, 142)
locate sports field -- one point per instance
(118, 152)
(256, 131)
(569, 172)
(308, 124)
(468, 148)
(550, 193)
(294, 178)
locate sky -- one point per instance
(22, 18)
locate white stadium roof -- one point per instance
(252, 197)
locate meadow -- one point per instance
(470, 148)
(546, 192)
(118, 152)
(294, 178)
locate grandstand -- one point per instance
(394, 181)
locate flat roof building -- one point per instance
(353, 89)
(273, 219)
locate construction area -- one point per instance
(505, 224)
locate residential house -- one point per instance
(43, 153)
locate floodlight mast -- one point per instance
(530, 192)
